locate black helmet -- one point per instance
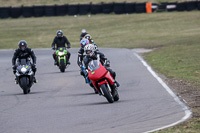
(22, 45)
(59, 33)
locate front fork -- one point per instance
(62, 57)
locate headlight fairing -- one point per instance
(61, 53)
(23, 69)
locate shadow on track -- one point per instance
(82, 94)
(70, 71)
(21, 94)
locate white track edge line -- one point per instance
(186, 109)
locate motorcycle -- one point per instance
(24, 75)
(62, 59)
(103, 81)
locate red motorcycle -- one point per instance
(102, 81)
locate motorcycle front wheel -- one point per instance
(116, 96)
(62, 65)
(107, 93)
(24, 82)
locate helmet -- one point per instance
(84, 42)
(22, 45)
(59, 33)
(83, 31)
(89, 49)
(88, 36)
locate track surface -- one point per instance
(62, 102)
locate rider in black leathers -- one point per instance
(60, 41)
(23, 52)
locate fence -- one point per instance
(102, 8)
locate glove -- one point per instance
(34, 66)
(53, 48)
(107, 63)
(14, 67)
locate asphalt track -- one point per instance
(63, 103)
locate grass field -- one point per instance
(50, 2)
(175, 35)
(129, 31)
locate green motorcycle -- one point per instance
(62, 59)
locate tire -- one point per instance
(5, 12)
(96, 8)
(15, 12)
(116, 97)
(38, 11)
(119, 8)
(129, 7)
(50, 10)
(61, 10)
(62, 65)
(24, 82)
(72, 9)
(27, 12)
(107, 94)
(107, 8)
(84, 9)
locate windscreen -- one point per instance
(93, 65)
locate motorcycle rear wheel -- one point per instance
(107, 93)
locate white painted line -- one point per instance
(187, 111)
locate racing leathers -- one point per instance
(60, 42)
(25, 54)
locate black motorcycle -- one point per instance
(24, 75)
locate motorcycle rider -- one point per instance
(23, 52)
(83, 43)
(92, 54)
(83, 33)
(89, 37)
(60, 41)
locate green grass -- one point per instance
(176, 35)
(51, 2)
(129, 31)
(177, 61)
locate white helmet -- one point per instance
(83, 30)
(89, 49)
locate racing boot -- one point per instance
(34, 80)
(95, 91)
(68, 62)
(55, 63)
(16, 82)
(116, 84)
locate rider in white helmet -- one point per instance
(93, 54)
